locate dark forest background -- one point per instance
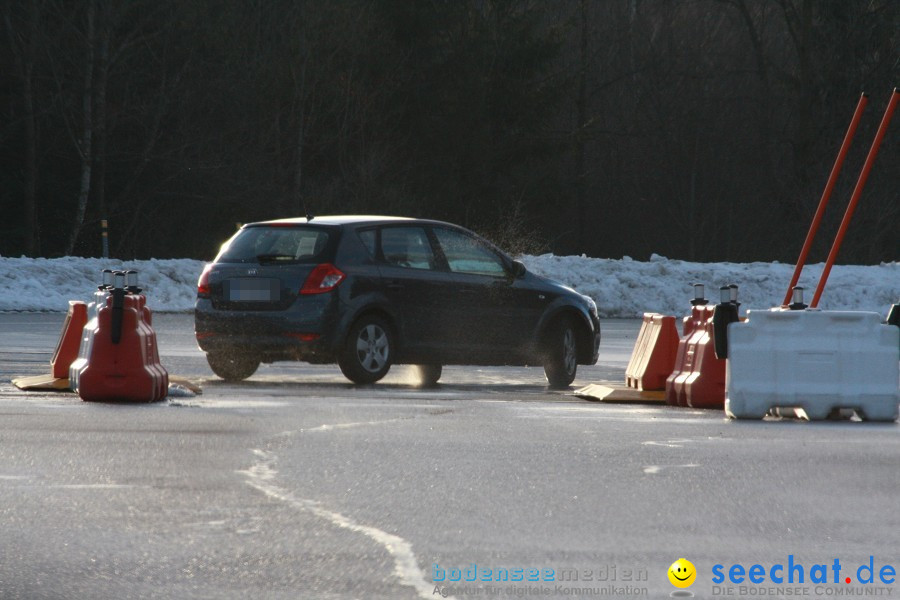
(696, 129)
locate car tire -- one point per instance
(428, 375)
(561, 361)
(230, 366)
(368, 351)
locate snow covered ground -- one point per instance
(622, 288)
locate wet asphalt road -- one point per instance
(296, 484)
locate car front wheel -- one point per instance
(561, 361)
(232, 367)
(368, 351)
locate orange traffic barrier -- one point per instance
(69, 340)
(698, 378)
(122, 358)
(653, 357)
(87, 335)
(693, 322)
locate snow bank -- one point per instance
(627, 288)
(621, 288)
(49, 284)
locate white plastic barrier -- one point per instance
(815, 360)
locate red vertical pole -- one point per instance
(826, 195)
(857, 192)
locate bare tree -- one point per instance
(85, 142)
(24, 48)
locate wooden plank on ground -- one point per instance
(50, 383)
(617, 393)
(43, 383)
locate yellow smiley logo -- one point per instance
(682, 573)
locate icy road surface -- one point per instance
(296, 484)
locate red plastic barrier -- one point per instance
(693, 322)
(69, 340)
(87, 337)
(653, 357)
(127, 371)
(698, 379)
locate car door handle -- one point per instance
(394, 285)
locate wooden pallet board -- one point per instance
(617, 393)
(50, 383)
(43, 383)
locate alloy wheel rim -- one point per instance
(372, 348)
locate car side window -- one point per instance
(407, 247)
(367, 236)
(465, 254)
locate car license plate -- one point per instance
(253, 290)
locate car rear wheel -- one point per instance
(232, 367)
(428, 374)
(368, 351)
(561, 360)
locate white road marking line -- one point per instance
(621, 418)
(92, 486)
(328, 427)
(667, 444)
(261, 475)
(72, 486)
(219, 403)
(613, 413)
(392, 405)
(655, 469)
(335, 426)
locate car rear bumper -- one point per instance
(305, 331)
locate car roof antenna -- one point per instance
(309, 215)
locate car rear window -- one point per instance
(276, 244)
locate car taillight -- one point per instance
(323, 278)
(203, 282)
(304, 337)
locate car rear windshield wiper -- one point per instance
(276, 258)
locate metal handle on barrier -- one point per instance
(723, 315)
(131, 282)
(118, 303)
(797, 300)
(698, 300)
(107, 280)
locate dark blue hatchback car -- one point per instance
(367, 292)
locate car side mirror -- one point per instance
(518, 269)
